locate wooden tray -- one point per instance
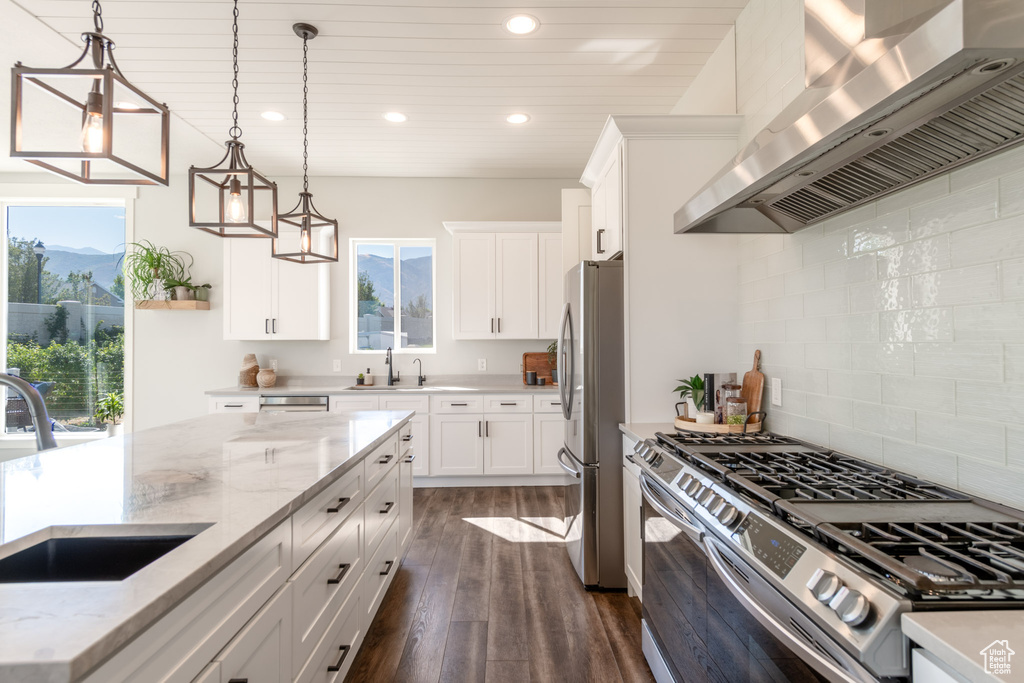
(538, 362)
(692, 426)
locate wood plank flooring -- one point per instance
(487, 593)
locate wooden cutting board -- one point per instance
(538, 362)
(753, 385)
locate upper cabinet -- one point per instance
(507, 283)
(606, 198)
(267, 298)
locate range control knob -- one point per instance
(728, 515)
(685, 481)
(715, 505)
(824, 585)
(705, 496)
(852, 607)
(692, 488)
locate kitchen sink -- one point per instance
(374, 387)
(87, 558)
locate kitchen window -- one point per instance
(392, 296)
(64, 318)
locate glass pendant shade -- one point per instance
(89, 124)
(305, 236)
(231, 198)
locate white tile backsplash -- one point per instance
(920, 297)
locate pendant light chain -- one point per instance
(305, 115)
(97, 16)
(235, 132)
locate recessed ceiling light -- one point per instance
(273, 116)
(521, 24)
(517, 118)
(396, 117)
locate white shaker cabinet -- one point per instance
(456, 444)
(474, 269)
(508, 444)
(262, 650)
(548, 437)
(270, 299)
(606, 219)
(632, 501)
(549, 271)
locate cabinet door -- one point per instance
(516, 285)
(262, 650)
(247, 289)
(474, 316)
(405, 472)
(550, 295)
(421, 445)
(631, 502)
(548, 435)
(456, 444)
(301, 301)
(508, 444)
(607, 216)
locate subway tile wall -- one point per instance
(898, 328)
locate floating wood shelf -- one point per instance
(150, 305)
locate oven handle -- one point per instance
(824, 666)
(695, 534)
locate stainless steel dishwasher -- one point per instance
(293, 404)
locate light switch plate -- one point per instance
(337, 366)
(777, 391)
(273, 364)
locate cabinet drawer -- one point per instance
(405, 439)
(187, 639)
(379, 571)
(262, 650)
(322, 586)
(234, 404)
(358, 402)
(381, 461)
(514, 403)
(333, 657)
(457, 404)
(548, 403)
(317, 519)
(380, 509)
(420, 404)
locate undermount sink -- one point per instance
(374, 387)
(88, 558)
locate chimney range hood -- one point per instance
(897, 91)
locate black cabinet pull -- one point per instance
(266, 326)
(480, 429)
(487, 428)
(386, 459)
(273, 325)
(513, 403)
(600, 233)
(337, 665)
(458, 404)
(337, 506)
(337, 579)
(387, 508)
(492, 325)
(499, 325)
(387, 568)
(232, 405)
(239, 680)
(407, 437)
(410, 458)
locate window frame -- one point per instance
(353, 323)
(41, 195)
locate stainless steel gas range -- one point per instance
(768, 558)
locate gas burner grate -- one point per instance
(681, 438)
(937, 557)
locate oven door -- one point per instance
(695, 626)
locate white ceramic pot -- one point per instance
(705, 418)
(115, 429)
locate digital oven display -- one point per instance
(774, 549)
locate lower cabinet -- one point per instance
(548, 438)
(262, 651)
(456, 444)
(406, 470)
(508, 444)
(632, 516)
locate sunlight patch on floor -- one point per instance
(523, 530)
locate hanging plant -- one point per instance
(147, 261)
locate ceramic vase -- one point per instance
(266, 378)
(250, 368)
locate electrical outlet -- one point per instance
(777, 391)
(273, 364)
(337, 366)
(481, 364)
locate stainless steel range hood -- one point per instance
(898, 91)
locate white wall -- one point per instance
(713, 91)
(178, 355)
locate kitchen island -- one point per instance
(238, 483)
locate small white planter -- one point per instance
(115, 429)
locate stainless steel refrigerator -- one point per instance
(590, 381)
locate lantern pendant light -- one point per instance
(231, 198)
(78, 142)
(304, 235)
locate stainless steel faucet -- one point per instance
(394, 378)
(36, 408)
(420, 379)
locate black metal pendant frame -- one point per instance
(251, 183)
(309, 222)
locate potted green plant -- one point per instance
(110, 409)
(692, 389)
(360, 379)
(202, 292)
(147, 266)
(183, 288)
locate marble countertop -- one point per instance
(209, 470)
(638, 431)
(441, 384)
(958, 638)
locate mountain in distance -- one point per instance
(75, 250)
(416, 274)
(104, 267)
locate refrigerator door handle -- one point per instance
(564, 392)
(571, 470)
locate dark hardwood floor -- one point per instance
(487, 593)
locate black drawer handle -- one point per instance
(337, 506)
(239, 680)
(387, 568)
(407, 437)
(337, 579)
(410, 458)
(462, 405)
(513, 403)
(337, 665)
(232, 405)
(387, 508)
(386, 459)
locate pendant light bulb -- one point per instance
(92, 128)
(236, 211)
(305, 239)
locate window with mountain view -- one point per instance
(394, 295)
(64, 319)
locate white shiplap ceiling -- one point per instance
(448, 64)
